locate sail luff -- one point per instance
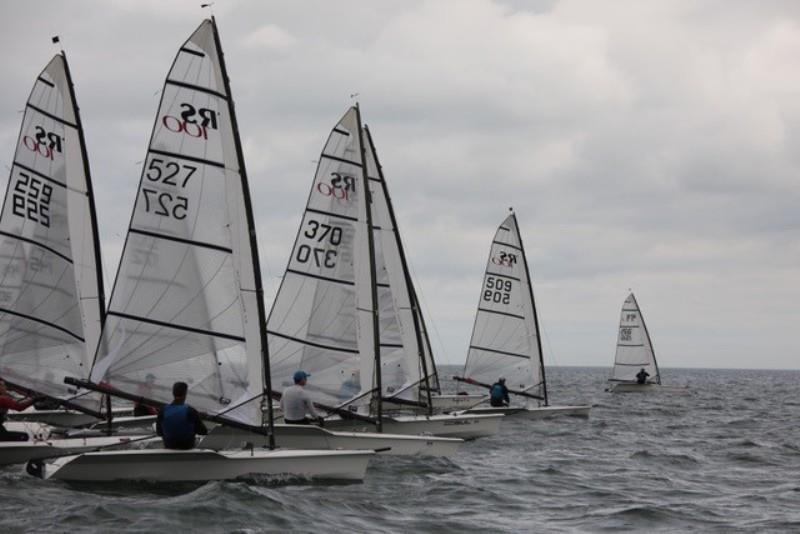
(98, 267)
(427, 347)
(404, 265)
(372, 276)
(251, 227)
(533, 307)
(649, 341)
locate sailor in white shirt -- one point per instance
(295, 402)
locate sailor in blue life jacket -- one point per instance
(499, 393)
(641, 376)
(177, 422)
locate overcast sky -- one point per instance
(651, 145)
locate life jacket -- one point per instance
(497, 392)
(175, 424)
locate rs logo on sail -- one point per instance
(505, 259)
(339, 188)
(194, 122)
(43, 143)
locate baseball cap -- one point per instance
(300, 375)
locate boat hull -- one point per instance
(445, 425)
(314, 437)
(61, 418)
(201, 465)
(540, 412)
(442, 403)
(17, 452)
(643, 388)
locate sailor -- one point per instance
(7, 402)
(177, 422)
(295, 402)
(350, 387)
(498, 394)
(641, 376)
(145, 390)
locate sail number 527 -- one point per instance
(169, 173)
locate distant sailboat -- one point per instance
(635, 352)
(187, 302)
(51, 288)
(505, 338)
(345, 310)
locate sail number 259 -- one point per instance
(324, 234)
(172, 174)
(497, 290)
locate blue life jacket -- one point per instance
(176, 425)
(497, 392)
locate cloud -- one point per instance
(651, 145)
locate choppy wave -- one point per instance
(721, 457)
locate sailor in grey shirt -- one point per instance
(295, 402)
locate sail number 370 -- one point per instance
(167, 173)
(323, 234)
(497, 290)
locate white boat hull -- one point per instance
(17, 452)
(625, 387)
(61, 418)
(445, 425)
(200, 465)
(314, 437)
(442, 403)
(539, 412)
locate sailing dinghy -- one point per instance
(344, 309)
(187, 302)
(505, 338)
(634, 353)
(51, 291)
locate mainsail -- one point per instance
(187, 300)
(634, 348)
(505, 338)
(51, 289)
(323, 317)
(406, 358)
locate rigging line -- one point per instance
(421, 299)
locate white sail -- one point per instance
(322, 317)
(186, 300)
(505, 340)
(406, 359)
(51, 293)
(634, 348)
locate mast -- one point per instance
(649, 341)
(533, 306)
(372, 272)
(248, 207)
(101, 297)
(406, 274)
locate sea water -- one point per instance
(721, 456)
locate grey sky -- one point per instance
(644, 144)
